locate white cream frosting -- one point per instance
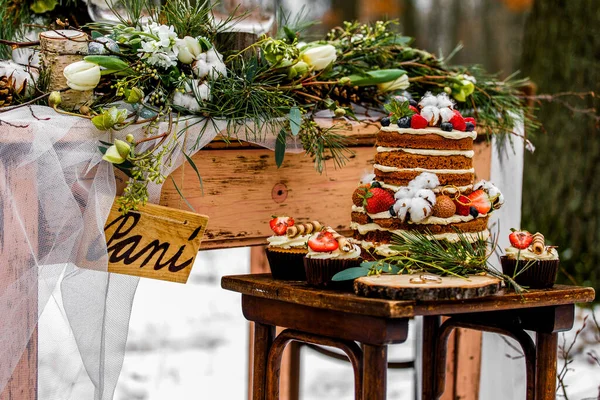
(287, 242)
(451, 237)
(385, 168)
(436, 190)
(428, 152)
(454, 134)
(431, 220)
(549, 254)
(336, 254)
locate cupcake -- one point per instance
(529, 261)
(288, 247)
(328, 254)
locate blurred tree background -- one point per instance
(557, 44)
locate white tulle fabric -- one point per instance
(55, 195)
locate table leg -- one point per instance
(375, 372)
(263, 338)
(431, 326)
(546, 349)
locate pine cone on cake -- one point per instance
(6, 91)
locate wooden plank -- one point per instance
(243, 189)
(154, 242)
(16, 266)
(468, 363)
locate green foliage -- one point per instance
(398, 109)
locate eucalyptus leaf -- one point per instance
(111, 63)
(295, 120)
(280, 147)
(374, 77)
(350, 273)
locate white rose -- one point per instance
(319, 57)
(189, 49)
(82, 75)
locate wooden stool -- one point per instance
(339, 319)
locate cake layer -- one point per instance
(377, 232)
(422, 141)
(386, 220)
(466, 189)
(401, 159)
(372, 249)
(402, 178)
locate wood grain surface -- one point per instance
(402, 287)
(154, 242)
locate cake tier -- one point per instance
(403, 159)
(401, 177)
(382, 230)
(429, 138)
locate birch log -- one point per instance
(59, 49)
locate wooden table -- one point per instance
(341, 319)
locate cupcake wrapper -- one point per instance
(539, 275)
(286, 266)
(319, 272)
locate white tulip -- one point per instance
(319, 57)
(400, 83)
(189, 49)
(82, 75)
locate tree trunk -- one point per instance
(561, 184)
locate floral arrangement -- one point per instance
(158, 65)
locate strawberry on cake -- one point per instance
(424, 175)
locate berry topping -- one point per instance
(471, 120)
(470, 127)
(458, 122)
(418, 122)
(413, 109)
(375, 184)
(279, 225)
(385, 121)
(520, 239)
(446, 126)
(413, 103)
(473, 211)
(377, 200)
(481, 201)
(359, 195)
(404, 122)
(323, 241)
(444, 207)
(392, 211)
(463, 205)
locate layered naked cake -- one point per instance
(423, 179)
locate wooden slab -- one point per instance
(400, 287)
(154, 242)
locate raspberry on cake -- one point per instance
(429, 169)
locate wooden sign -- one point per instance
(154, 242)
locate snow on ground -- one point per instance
(190, 342)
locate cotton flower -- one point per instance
(402, 208)
(404, 192)
(82, 75)
(431, 114)
(428, 100)
(446, 114)
(444, 101)
(319, 57)
(209, 64)
(426, 194)
(193, 92)
(426, 180)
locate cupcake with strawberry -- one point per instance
(529, 261)
(288, 246)
(329, 253)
